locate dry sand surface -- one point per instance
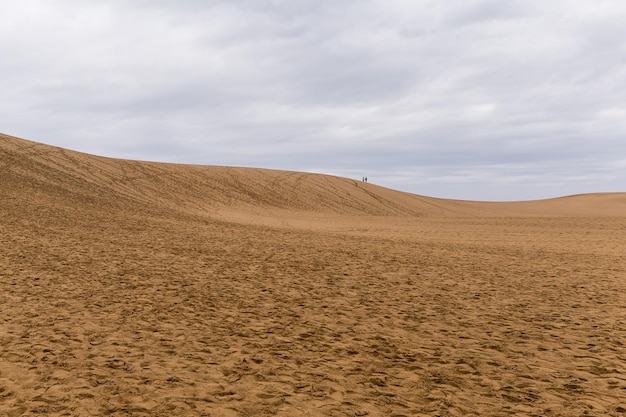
(144, 289)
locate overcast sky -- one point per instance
(482, 100)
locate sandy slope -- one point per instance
(145, 289)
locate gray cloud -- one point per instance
(453, 99)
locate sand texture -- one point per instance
(143, 289)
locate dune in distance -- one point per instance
(149, 289)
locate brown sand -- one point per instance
(144, 289)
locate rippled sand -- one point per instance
(143, 289)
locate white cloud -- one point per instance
(466, 94)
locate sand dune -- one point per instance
(150, 289)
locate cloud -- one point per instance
(465, 95)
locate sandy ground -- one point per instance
(141, 289)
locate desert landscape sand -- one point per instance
(146, 289)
